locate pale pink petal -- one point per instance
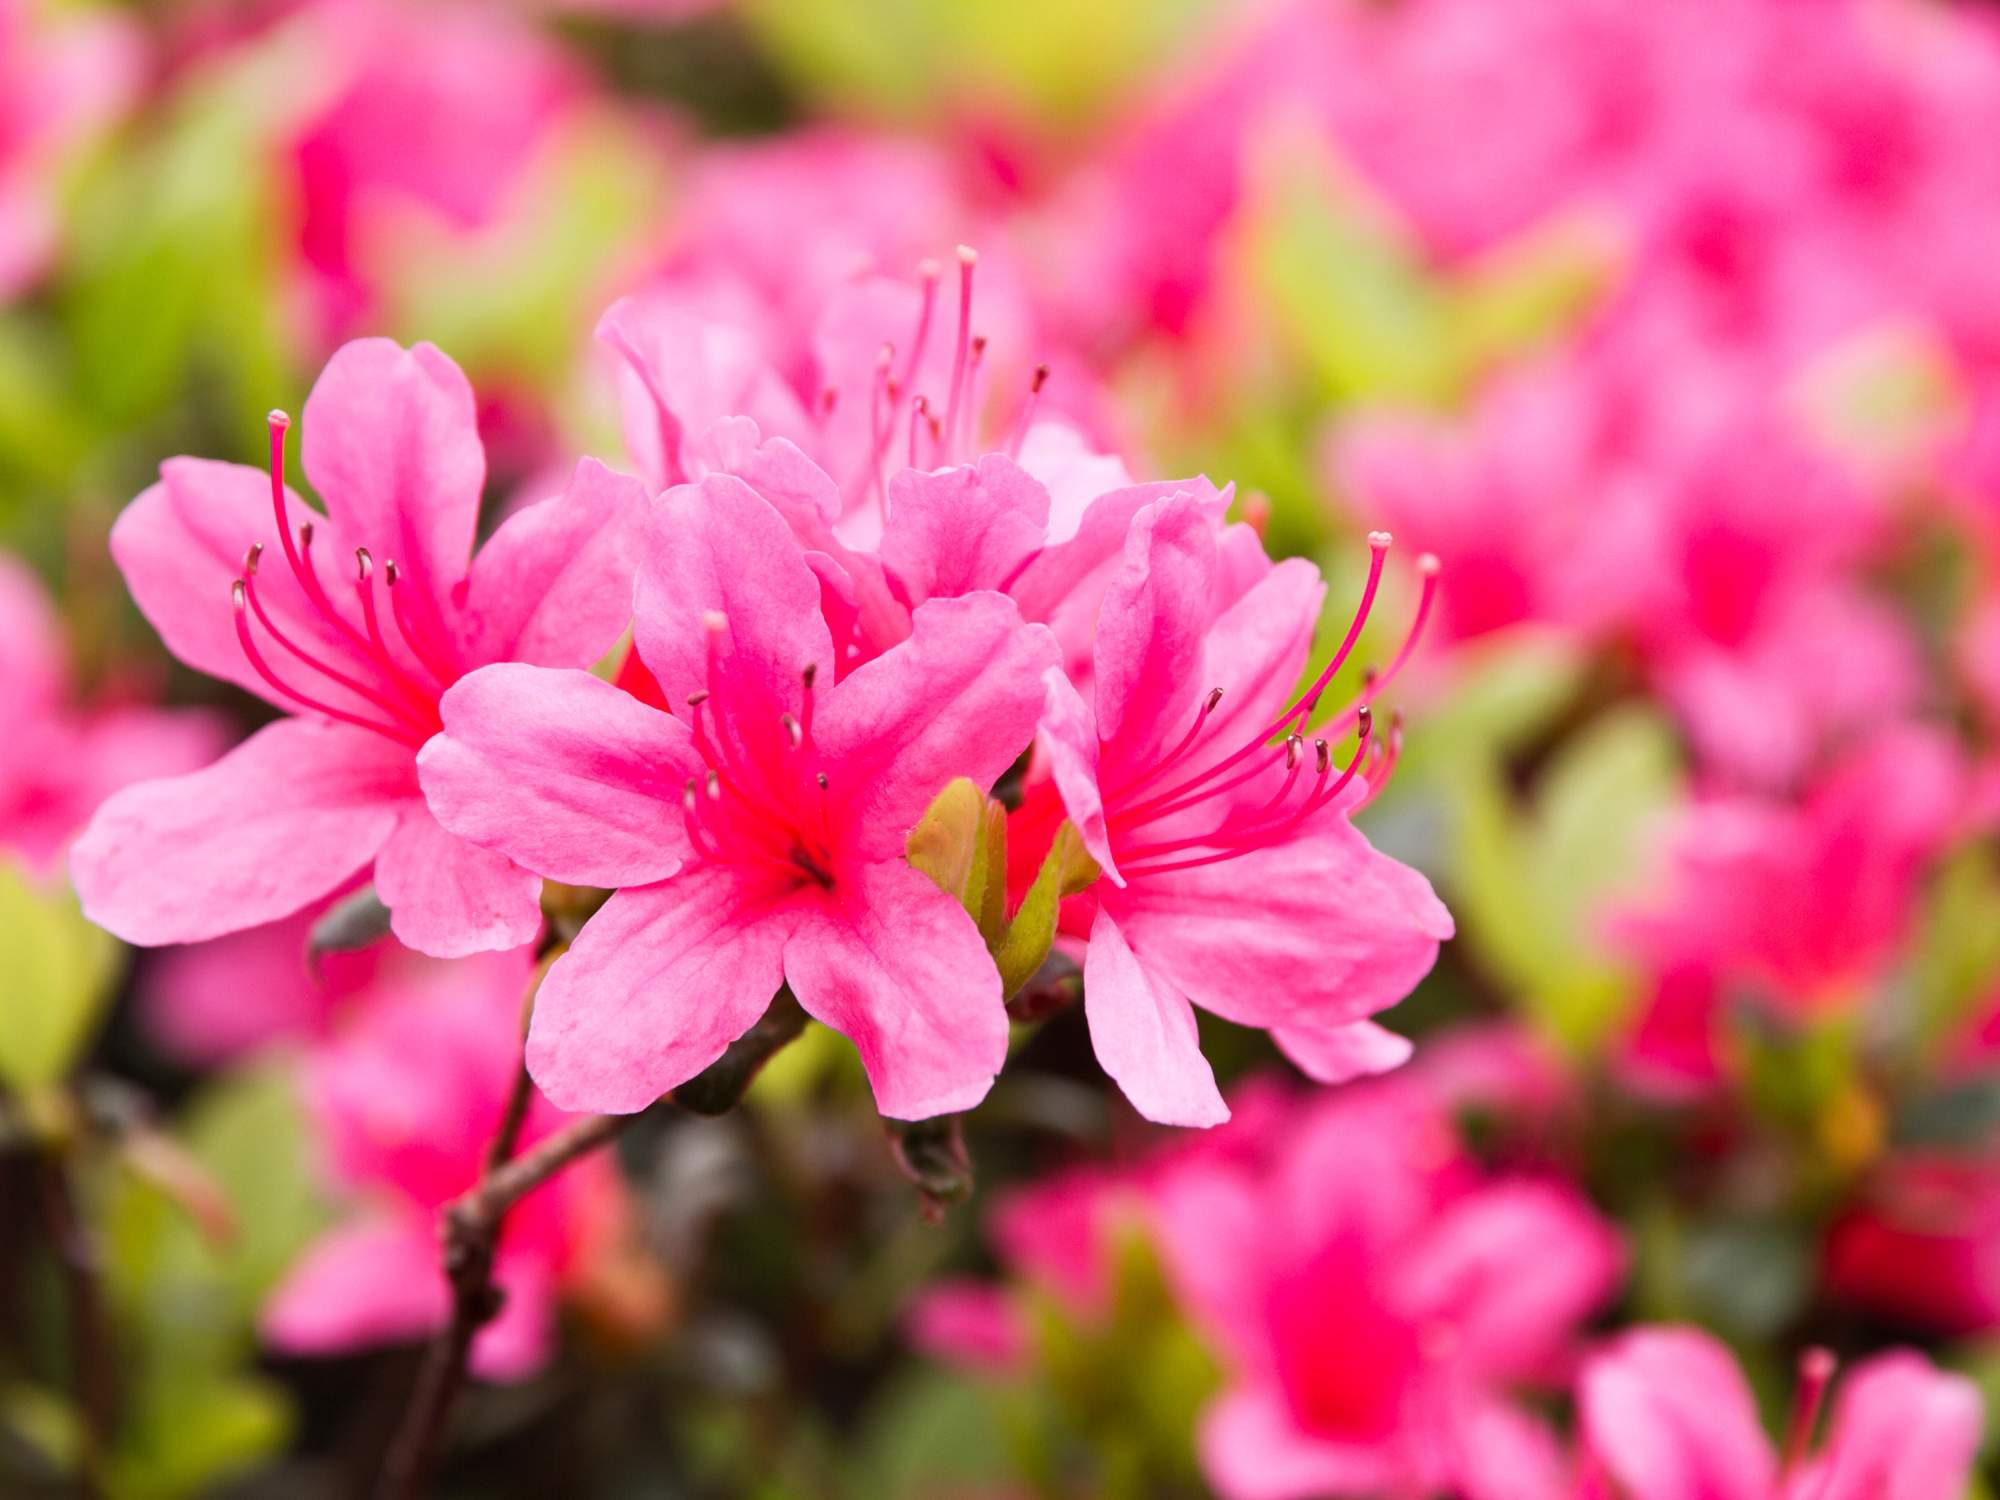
(449, 898)
(1510, 1268)
(1318, 930)
(973, 1324)
(1502, 1453)
(1252, 1449)
(563, 773)
(32, 668)
(958, 698)
(960, 529)
(1069, 743)
(280, 821)
(1901, 1430)
(1340, 1053)
(1255, 652)
(553, 586)
(1143, 1032)
(360, 1286)
(717, 548)
(1668, 1414)
(1074, 473)
(659, 982)
(390, 441)
(896, 966)
(1149, 632)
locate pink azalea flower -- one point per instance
(63, 75)
(354, 623)
(1232, 877)
(1375, 1298)
(1666, 1415)
(439, 107)
(1808, 904)
(756, 834)
(406, 1102)
(1924, 1244)
(61, 758)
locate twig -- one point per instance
(471, 1227)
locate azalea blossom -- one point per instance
(1375, 1298)
(63, 755)
(1666, 1415)
(406, 1101)
(754, 835)
(1232, 876)
(1922, 1243)
(353, 624)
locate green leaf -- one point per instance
(945, 844)
(186, 1430)
(1066, 869)
(56, 967)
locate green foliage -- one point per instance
(55, 972)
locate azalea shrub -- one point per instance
(813, 749)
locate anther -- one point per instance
(364, 565)
(792, 730)
(807, 675)
(698, 697)
(821, 779)
(1322, 757)
(251, 558)
(714, 787)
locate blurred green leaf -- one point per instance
(186, 1429)
(1958, 948)
(57, 968)
(1066, 870)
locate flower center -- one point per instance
(1242, 826)
(389, 697)
(764, 809)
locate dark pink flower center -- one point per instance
(763, 808)
(1241, 826)
(403, 698)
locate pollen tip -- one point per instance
(277, 419)
(687, 795)
(821, 779)
(1379, 539)
(390, 572)
(1322, 756)
(928, 269)
(305, 533)
(1041, 379)
(967, 256)
(364, 565)
(714, 786)
(714, 621)
(698, 697)
(811, 671)
(1364, 721)
(979, 343)
(1214, 697)
(1817, 1364)
(251, 557)
(1429, 566)
(885, 356)
(236, 595)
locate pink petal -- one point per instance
(656, 986)
(32, 667)
(1343, 1052)
(449, 898)
(280, 821)
(961, 529)
(390, 441)
(1149, 631)
(1252, 1449)
(518, 1342)
(895, 965)
(1668, 1414)
(181, 545)
(1901, 1430)
(973, 1324)
(360, 1286)
(554, 584)
(1070, 746)
(717, 548)
(1315, 931)
(1255, 651)
(1143, 1031)
(563, 773)
(958, 698)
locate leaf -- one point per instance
(1066, 869)
(945, 842)
(187, 1430)
(55, 969)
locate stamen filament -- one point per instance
(967, 259)
(237, 598)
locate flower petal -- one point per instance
(1340, 1053)
(1144, 1034)
(554, 584)
(1149, 632)
(449, 898)
(278, 822)
(1668, 1414)
(897, 967)
(359, 1286)
(958, 698)
(1901, 1430)
(1253, 1449)
(563, 773)
(1070, 747)
(658, 983)
(960, 529)
(391, 442)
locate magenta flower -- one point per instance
(1667, 1415)
(60, 757)
(354, 623)
(1232, 877)
(1375, 1298)
(1923, 1244)
(756, 835)
(406, 1101)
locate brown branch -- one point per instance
(471, 1226)
(95, 1370)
